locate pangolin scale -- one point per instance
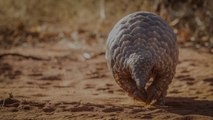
(142, 46)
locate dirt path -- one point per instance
(56, 83)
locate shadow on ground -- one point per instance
(184, 106)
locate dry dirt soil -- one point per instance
(58, 81)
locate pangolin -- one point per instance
(140, 47)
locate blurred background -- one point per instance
(89, 21)
(53, 66)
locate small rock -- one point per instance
(49, 108)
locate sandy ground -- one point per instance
(58, 82)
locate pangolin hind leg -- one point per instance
(158, 89)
